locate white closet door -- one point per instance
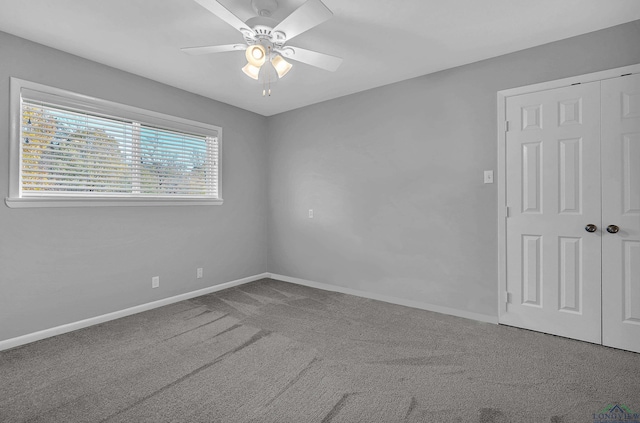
(553, 192)
(621, 208)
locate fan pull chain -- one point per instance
(266, 86)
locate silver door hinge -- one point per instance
(506, 212)
(507, 297)
(506, 126)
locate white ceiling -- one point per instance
(381, 41)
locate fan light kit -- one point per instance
(265, 39)
(256, 55)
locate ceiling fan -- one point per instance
(265, 39)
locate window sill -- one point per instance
(31, 202)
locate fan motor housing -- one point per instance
(265, 34)
(262, 32)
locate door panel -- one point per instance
(621, 207)
(570, 274)
(553, 191)
(532, 270)
(531, 177)
(570, 158)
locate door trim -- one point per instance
(502, 183)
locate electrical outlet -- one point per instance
(488, 176)
(310, 213)
(155, 281)
(199, 273)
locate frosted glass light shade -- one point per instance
(256, 55)
(268, 74)
(251, 71)
(281, 66)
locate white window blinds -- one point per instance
(71, 151)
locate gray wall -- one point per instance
(60, 265)
(395, 177)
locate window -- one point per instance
(71, 150)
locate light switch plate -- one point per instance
(488, 176)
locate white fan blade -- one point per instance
(313, 58)
(310, 14)
(196, 51)
(223, 13)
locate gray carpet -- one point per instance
(271, 351)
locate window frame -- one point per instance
(64, 98)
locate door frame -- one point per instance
(502, 183)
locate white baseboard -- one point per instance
(388, 299)
(58, 330)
